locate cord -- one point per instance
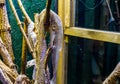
(91, 8)
(111, 15)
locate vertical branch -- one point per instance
(7, 35)
(24, 49)
(5, 55)
(47, 15)
(5, 30)
(38, 50)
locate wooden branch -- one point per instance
(22, 79)
(6, 57)
(41, 76)
(5, 30)
(113, 77)
(47, 15)
(4, 78)
(11, 74)
(5, 54)
(45, 62)
(56, 39)
(8, 43)
(24, 12)
(31, 33)
(5, 39)
(49, 50)
(38, 50)
(24, 50)
(21, 28)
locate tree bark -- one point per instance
(40, 49)
(11, 74)
(5, 55)
(4, 78)
(113, 77)
(22, 79)
(5, 30)
(56, 38)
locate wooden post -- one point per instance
(64, 13)
(60, 72)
